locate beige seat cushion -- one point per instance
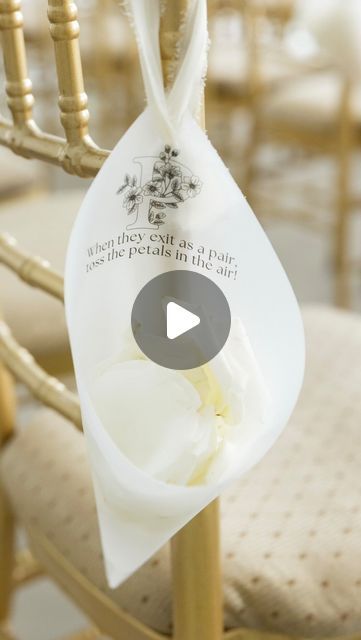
(311, 103)
(42, 226)
(291, 528)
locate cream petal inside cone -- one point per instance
(158, 433)
(188, 423)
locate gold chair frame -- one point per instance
(195, 550)
(196, 572)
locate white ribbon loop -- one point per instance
(186, 92)
(191, 54)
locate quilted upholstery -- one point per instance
(291, 528)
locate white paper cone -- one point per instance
(152, 431)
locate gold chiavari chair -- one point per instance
(245, 69)
(197, 588)
(45, 481)
(319, 115)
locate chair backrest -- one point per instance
(76, 153)
(195, 550)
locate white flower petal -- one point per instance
(182, 427)
(152, 415)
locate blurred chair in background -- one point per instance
(321, 115)
(247, 61)
(260, 93)
(317, 114)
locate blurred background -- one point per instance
(283, 109)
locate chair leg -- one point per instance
(7, 527)
(7, 405)
(7, 530)
(342, 283)
(342, 235)
(196, 572)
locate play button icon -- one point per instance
(180, 319)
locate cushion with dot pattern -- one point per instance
(291, 529)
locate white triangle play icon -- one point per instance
(179, 320)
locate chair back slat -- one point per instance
(77, 153)
(73, 101)
(18, 86)
(33, 270)
(49, 390)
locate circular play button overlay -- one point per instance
(181, 319)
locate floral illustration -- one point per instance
(192, 186)
(132, 198)
(168, 185)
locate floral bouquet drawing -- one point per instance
(164, 185)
